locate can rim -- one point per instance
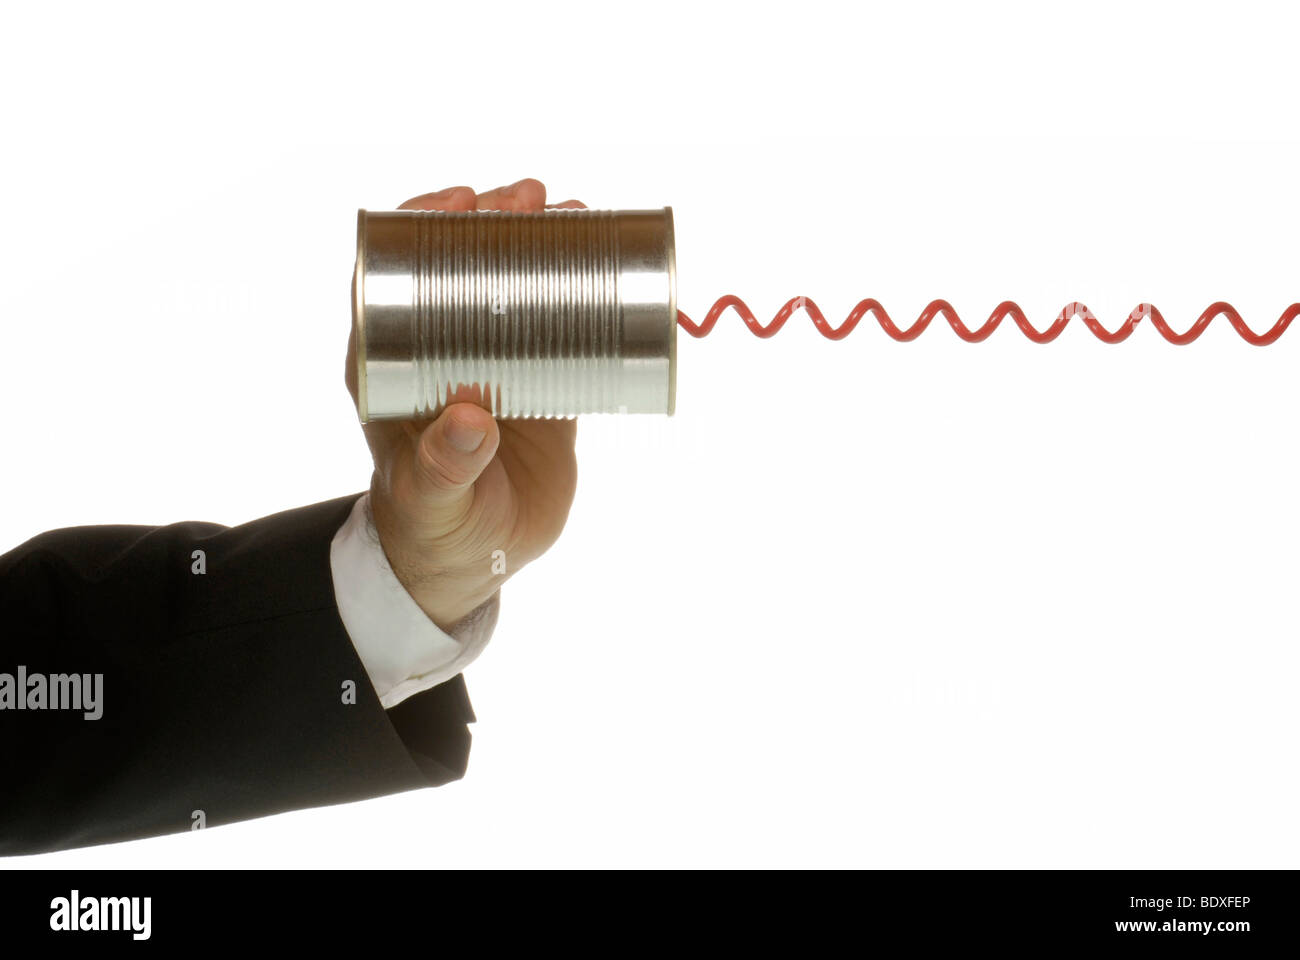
(671, 243)
(359, 317)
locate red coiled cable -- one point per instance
(1007, 308)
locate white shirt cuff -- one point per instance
(403, 651)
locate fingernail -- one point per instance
(463, 437)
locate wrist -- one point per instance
(446, 602)
(447, 591)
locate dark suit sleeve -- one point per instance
(223, 691)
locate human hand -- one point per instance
(448, 493)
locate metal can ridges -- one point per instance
(548, 314)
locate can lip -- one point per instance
(359, 316)
(671, 244)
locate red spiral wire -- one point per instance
(1007, 308)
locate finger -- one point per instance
(541, 449)
(567, 205)
(522, 195)
(453, 198)
(453, 451)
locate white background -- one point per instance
(858, 603)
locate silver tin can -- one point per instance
(549, 314)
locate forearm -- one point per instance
(235, 691)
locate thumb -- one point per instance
(453, 451)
